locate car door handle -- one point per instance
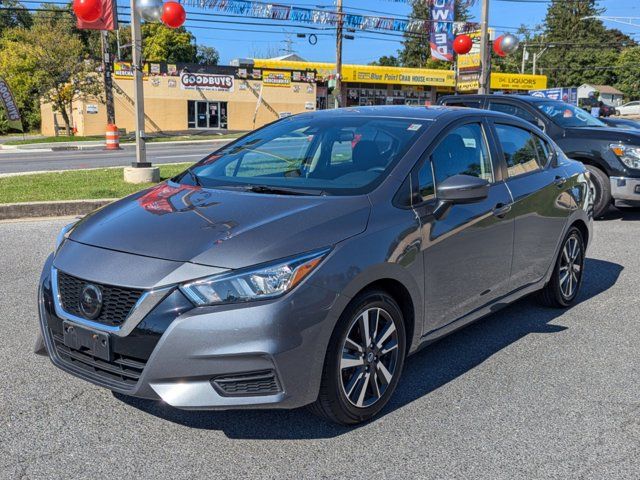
(501, 209)
(559, 181)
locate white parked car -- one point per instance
(631, 108)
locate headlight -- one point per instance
(257, 283)
(627, 154)
(64, 233)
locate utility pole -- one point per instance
(140, 171)
(536, 56)
(108, 81)
(138, 92)
(484, 82)
(524, 58)
(337, 91)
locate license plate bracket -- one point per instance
(83, 339)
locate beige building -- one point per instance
(221, 98)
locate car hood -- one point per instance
(605, 133)
(221, 228)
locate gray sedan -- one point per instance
(303, 263)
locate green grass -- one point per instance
(74, 184)
(61, 138)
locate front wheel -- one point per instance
(364, 360)
(602, 187)
(563, 287)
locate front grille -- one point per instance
(257, 383)
(117, 302)
(123, 371)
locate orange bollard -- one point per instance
(113, 137)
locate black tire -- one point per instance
(602, 188)
(333, 402)
(554, 294)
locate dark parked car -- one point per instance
(611, 155)
(623, 123)
(302, 263)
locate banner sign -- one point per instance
(108, 20)
(276, 79)
(124, 71)
(10, 106)
(568, 95)
(365, 73)
(506, 81)
(272, 11)
(206, 81)
(441, 30)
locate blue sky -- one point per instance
(505, 15)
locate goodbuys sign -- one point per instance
(206, 81)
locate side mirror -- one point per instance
(459, 189)
(463, 189)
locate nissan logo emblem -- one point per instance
(91, 301)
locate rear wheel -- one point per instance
(602, 188)
(364, 360)
(563, 287)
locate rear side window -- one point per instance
(463, 103)
(523, 151)
(513, 110)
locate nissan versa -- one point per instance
(302, 264)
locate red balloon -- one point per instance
(496, 47)
(87, 10)
(462, 44)
(173, 14)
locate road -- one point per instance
(157, 153)
(528, 393)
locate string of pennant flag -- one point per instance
(292, 13)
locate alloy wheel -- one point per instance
(570, 269)
(369, 357)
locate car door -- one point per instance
(540, 208)
(467, 250)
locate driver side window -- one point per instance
(463, 151)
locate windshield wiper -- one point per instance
(282, 190)
(194, 177)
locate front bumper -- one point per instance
(625, 189)
(182, 355)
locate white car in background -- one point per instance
(631, 108)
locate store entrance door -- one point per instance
(204, 114)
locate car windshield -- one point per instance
(566, 115)
(310, 154)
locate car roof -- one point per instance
(403, 111)
(517, 97)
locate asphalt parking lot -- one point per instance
(526, 393)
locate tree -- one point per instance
(416, 51)
(207, 55)
(13, 14)
(628, 72)
(581, 49)
(163, 44)
(52, 63)
(387, 61)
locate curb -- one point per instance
(12, 211)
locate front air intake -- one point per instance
(247, 384)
